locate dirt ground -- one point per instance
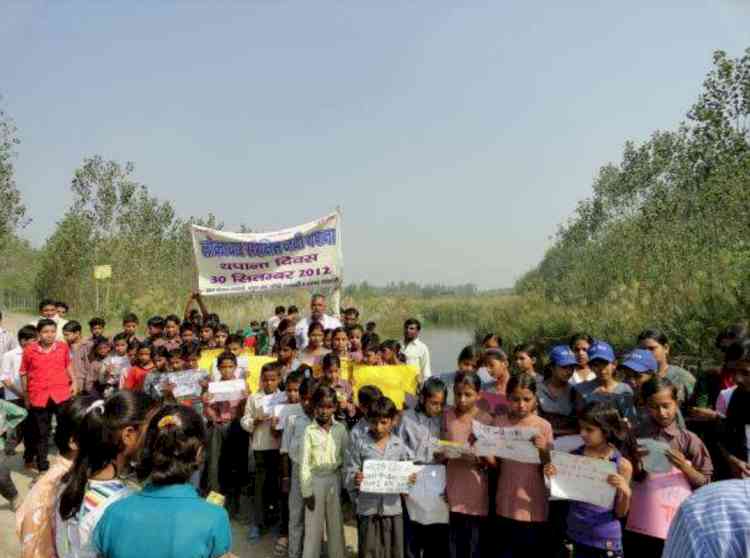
(10, 547)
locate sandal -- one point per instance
(282, 547)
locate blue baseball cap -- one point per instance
(561, 355)
(601, 351)
(640, 360)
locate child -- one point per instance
(171, 339)
(521, 498)
(580, 343)
(138, 372)
(355, 333)
(219, 415)
(332, 378)
(116, 364)
(187, 333)
(96, 327)
(221, 336)
(207, 332)
(365, 397)
(595, 531)
(78, 352)
(11, 382)
(130, 326)
(291, 456)
(389, 353)
(687, 454)
(526, 357)
(152, 385)
(323, 450)
(265, 445)
(466, 479)
(10, 417)
(286, 353)
(328, 339)
(493, 398)
(467, 363)
(340, 345)
(315, 351)
(419, 429)
(36, 516)
(99, 349)
(155, 327)
(371, 354)
(379, 516)
(107, 439)
(182, 524)
(492, 341)
(555, 394)
(605, 388)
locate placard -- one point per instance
(583, 479)
(567, 443)
(387, 477)
(655, 461)
(510, 443)
(227, 390)
(267, 403)
(284, 411)
(186, 382)
(425, 501)
(395, 381)
(655, 503)
(452, 450)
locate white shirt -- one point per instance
(60, 325)
(576, 378)
(417, 354)
(273, 323)
(7, 341)
(300, 332)
(11, 364)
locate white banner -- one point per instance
(307, 256)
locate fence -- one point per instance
(19, 302)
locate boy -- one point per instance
(273, 322)
(292, 314)
(48, 310)
(187, 333)
(155, 327)
(171, 339)
(78, 354)
(130, 326)
(11, 379)
(96, 326)
(62, 308)
(351, 317)
(47, 382)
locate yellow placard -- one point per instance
(102, 272)
(254, 364)
(396, 382)
(209, 356)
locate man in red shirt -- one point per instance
(47, 378)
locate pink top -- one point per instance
(521, 492)
(494, 403)
(466, 482)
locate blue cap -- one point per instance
(561, 355)
(640, 360)
(602, 351)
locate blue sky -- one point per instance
(456, 136)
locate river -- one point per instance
(445, 344)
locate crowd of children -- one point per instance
(137, 454)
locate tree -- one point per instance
(12, 210)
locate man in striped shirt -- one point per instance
(713, 523)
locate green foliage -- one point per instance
(12, 211)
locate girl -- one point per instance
(525, 357)
(580, 343)
(355, 333)
(466, 478)
(153, 381)
(117, 363)
(596, 532)
(36, 516)
(555, 394)
(340, 348)
(182, 524)
(332, 378)
(467, 363)
(138, 372)
(493, 397)
(686, 453)
(286, 353)
(521, 497)
(108, 437)
(328, 339)
(221, 336)
(656, 341)
(492, 341)
(323, 450)
(100, 349)
(207, 332)
(389, 353)
(733, 439)
(419, 428)
(315, 351)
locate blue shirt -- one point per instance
(712, 523)
(165, 522)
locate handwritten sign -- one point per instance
(582, 479)
(655, 502)
(396, 381)
(425, 501)
(284, 411)
(505, 442)
(268, 402)
(187, 383)
(227, 390)
(452, 450)
(655, 461)
(387, 477)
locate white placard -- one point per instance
(425, 502)
(567, 443)
(284, 411)
(582, 479)
(187, 383)
(655, 461)
(387, 477)
(227, 390)
(506, 442)
(268, 402)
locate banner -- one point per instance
(582, 479)
(395, 381)
(306, 256)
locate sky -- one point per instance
(455, 136)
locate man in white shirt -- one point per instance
(317, 314)
(274, 321)
(7, 339)
(10, 364)
(416, 352)
(48, 311)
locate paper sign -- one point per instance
(582, 479)
(187, 383)
(396, 382)
(268, 402)
(283, 412)
(387, 477)
(452, 450)
(227, 390)
(655, 461)
(102, 272)
(505, 442)
(655, 502)
(567, 443)
(425, 501)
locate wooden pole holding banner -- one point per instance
(336, 295)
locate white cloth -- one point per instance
(577, 378)
(273, 323)
(9, 368)
(7, 341)
(722, 402)
(300, 332)
(417, 354)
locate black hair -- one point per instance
(186, 326)
(119, 337)
(733, 332)
(130, 318)
(172, 318)
(174, 353)
(468, 353)
(234, 339)
(134, 344)
(26, 333)
(172, 445)
(307, 386)
(226, 355)
(160, 351)
(657, 384)
(61, 304)
(739, 350)
(471, 380)
(322, 393)
(213, 317)
(72, 327)
(292, 310)
(382, 407)
(191, 350)
(352, 310)
(99, 442)
(576, 337)
(286, 342)
(528, 348)
(270, 367)
(95, 343)
(490, 337)
(522, 381)
(295, 377)
(315, 325)
(338, 330)
(391, 345)
(617, 432)
(306, 369)
(279, 310)
(222, 327)
(367, 394)
(494, 354)
(69, 419)
(155, 321)
(354, 327)
(93, 322)
(656, 334)
(413, 321)
(46, 302)
(370, 326)
(430, 388)
(44, 322)
(371, 338)
(331, 360)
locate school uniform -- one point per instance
(291, 444)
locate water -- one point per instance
(444, 345)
